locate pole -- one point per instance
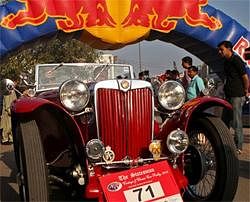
(139, 44)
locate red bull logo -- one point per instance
(164, 14)
(70, 16)
(120, 21)
(240, 46)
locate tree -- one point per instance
(55, 50)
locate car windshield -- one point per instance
(51, 76)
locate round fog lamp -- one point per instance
(95, 149)
(177, 141)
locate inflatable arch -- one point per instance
(111, 24)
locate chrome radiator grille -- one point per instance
(125, 120)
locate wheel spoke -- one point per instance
(207, 181)
(210, 165)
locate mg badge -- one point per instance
(125, 84)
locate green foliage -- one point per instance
(55, 50)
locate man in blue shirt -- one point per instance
(196, 85)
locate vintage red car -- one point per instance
(94, 132)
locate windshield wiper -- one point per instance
(55, 68)
(103, 69)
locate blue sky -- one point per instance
(158, 56)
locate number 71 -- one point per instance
(140, 192)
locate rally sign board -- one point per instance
(153, 182)
(240, 46)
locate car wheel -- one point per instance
(32, 175)
(211, 164)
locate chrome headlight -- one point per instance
(74, 95)
(95, 149)
(177, 141)
(171, 95)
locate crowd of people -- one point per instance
(191, 81)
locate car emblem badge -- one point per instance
(125, 84)
(109, 155)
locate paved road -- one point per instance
(9, 189)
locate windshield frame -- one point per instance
(57, 66)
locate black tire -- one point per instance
(211, 162)
(33, 182)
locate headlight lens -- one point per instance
(171, 95)
(177, 141)
(74, 95)
(95, 149)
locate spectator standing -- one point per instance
(235, 89)
(247, 57)
(186, 63)
(196, 84)
(140, 76)
(162, 78)
(1, 108)
(176, 75)
(1, 102)
(144, 75)
(169, 75)
(247, 53)
(5, 123)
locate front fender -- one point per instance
(55, 124)
(29, 104)
(189, 110)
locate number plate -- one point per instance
(154, 182)
(144, 193)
